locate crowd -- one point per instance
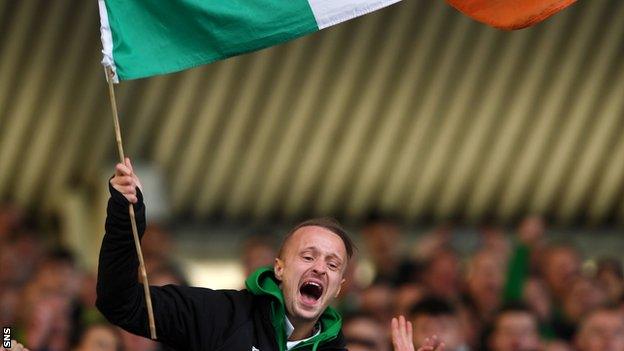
(515, 291)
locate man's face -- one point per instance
(604, 331)
(311, 271)
(515, 331)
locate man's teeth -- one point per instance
(312, 289)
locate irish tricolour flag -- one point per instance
(142, 38)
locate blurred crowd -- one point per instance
(515, 291)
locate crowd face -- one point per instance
(446, 326)
(603, 330)
(485, 280)
(311, 272)
(537, 298)
(99, 338)
(583, 296)
(443, 275)
(377, 300)
(382, 242)
(58, 277)
(610, 276)
(515, 331)
(47, 319)
(561, 267)
(257, 256)
(365, 334)
(531, 229)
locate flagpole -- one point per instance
(135, 233)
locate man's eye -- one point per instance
(333, 266)
(308, 258)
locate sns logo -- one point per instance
(6, 338)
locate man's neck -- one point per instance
(302, 329)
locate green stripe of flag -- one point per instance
(150, 37)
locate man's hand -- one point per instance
(402, 337)
(126, 182)
(15, 346)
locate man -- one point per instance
(601, 330)
(284, 308)
(515, 329)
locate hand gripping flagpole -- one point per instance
(135, 233)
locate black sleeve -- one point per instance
(185, 317)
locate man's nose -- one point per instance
(319, 267)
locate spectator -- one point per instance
(257, 251)
(364, 332)
(483, 295)
(100, 337)
(377, 300)
(583, 296)
(610, 275)
(435, 316)
(561, 265)
(406, 296)
(537, 299)
(484, 285)
(514, 329)
(383, 242)
(601, 330)
(157, 246)
(494, 240)
(441, 275)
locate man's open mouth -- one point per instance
(311, 291)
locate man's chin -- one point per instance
(307, 312)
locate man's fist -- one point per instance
(126, 182)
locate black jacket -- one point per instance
(187, 318)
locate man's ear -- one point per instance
(340, 287)
(278, 267)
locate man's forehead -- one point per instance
(316, 236)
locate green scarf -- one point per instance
(263, 282)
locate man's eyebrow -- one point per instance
(315, 249)
(333, 255)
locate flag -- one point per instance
(143, 38)
(510, 14)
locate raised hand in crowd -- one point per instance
(402, 337)
(125, 181)
(15, 346)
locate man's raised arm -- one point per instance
(119, 294)
(187, 318)
(120, 297)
